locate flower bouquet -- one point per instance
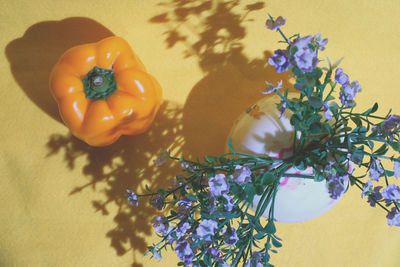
(211, 217)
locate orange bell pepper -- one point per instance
(104, 91)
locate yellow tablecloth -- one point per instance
(63, 202)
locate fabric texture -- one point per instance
(63, 203)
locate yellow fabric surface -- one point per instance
(63, 202)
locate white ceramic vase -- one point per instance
(261, 130)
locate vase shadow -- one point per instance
(32, 56)
(232, 80)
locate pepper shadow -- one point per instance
(33, 55)
(126, 164)
(232, 80)
(108, 171)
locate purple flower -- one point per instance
(182, 230)
(256, 260)
(327, 112)
(163, 157)
(216, 255)
(161, 224)
(367, 188)
(341, 77)
(280, 60)
(212, 202)
(374, 196)
(230, 236)
(183, 212)
(305, 58)
(242, 174)
(184, 252)
(218, 184)
(132, 197)
(375, 170)
(319, 42)
(391, 123)
(158, 202)
(391, 192)
(282, 107)
(230, 204)
(185, 202)
(396, 169)
(271, 88)
(393, 217)
(335, 185)
(348, 92)
(156, 255)
(206, 229)
(273, 25)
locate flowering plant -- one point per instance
(210, 221)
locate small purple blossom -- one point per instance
(341, 77)
(335, 185)
(256, 260)
(132, 197)
(158, 202)
(206, 229)
(367, 188)
(374, 196)
(375, 170)
(156, 255)
(216, 255)
(391, 123)
(185, 202)
(242, 174)
(282, 107)
(393, 217)
(305, 58)
(348, 92)
(229, 206)
(396, 169)
(161, 225)
(328, 114)
(183, 212)
(212, 203)
(274, 25)
(230, 236)
(163, 157)
(184, 252)
(391, 192)
(182, 230)
(280, 60)
(271, 88)
(218, 185)
(319, 42)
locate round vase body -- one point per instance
(261, 130)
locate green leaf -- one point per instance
(371, 110)
(389, 173)
(395, 145)
(316, 102)
(270, 227)
(382, 150)
(315, 128)
(357, 121)
(230, 145)
(267, 178)
(192, 197)
(276, 243)
(209, 159)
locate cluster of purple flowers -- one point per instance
(336, 185)
(301, 53)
